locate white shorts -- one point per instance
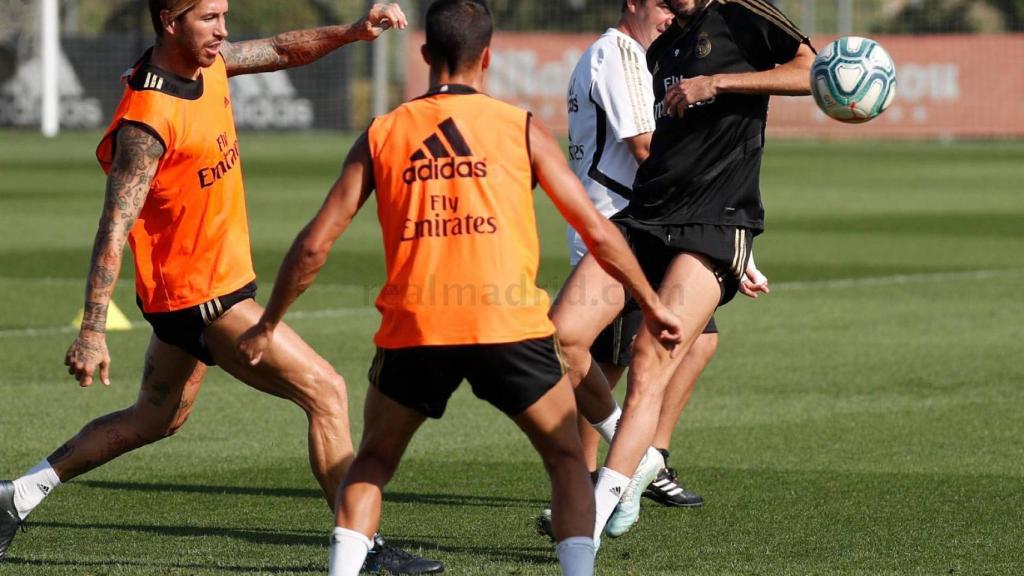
(608, 203)
(577, 249)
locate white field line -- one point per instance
(899, 279)
(139, 324)
(872, 281)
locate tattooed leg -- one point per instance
(171, 380)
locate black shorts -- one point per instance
(510, 376)
(727, 247)
(184, 328)
(614, 345)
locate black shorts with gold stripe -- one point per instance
(511, 376)
(184, 328)
(727, 247)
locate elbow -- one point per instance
(599, 238)
(312, 255)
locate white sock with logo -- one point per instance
(576, 556)
(348, 552)
(607, 493)
(606, 428)
(36, 484)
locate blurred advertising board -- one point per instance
(90, 71)
(948, 86)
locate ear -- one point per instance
(425, 54)
(485, 58)
(170, 25)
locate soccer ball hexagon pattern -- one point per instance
(853, 79)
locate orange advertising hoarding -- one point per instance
(530, 70)
(948, 86)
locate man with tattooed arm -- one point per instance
(174, 193)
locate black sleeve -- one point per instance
(763, 32)
(652, 55)
(660, 44)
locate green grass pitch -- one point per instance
(866, 418)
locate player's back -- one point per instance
(454, 187)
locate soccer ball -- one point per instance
(853, 79)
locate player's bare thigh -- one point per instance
(171, 380)
(691, 290)
(550, 422)
(387, 426)
(588, 301)
(290, 368)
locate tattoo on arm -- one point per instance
(251, 57)
(95, 315)
(136, 156)
(286, 50)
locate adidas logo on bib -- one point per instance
(444, 162)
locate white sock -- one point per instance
(348, 552)
(609, 489)
(576, 555)
(36, 484)
(606, 428)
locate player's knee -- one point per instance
(152, 428)
(646, 376)
(560, 456)
(577, 358)
(705, 347)
(326, 394)
(646, 362)
(568, 452)
(562, 445)
(172, 428)
(572, 345)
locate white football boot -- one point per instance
(628, 510)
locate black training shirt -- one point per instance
(704, 167)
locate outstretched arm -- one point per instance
(602, 238)
(300, 47)
(789, 79)
(308, 252)
(136, 156)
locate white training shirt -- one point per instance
(610, 99)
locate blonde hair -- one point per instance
(177, 8)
